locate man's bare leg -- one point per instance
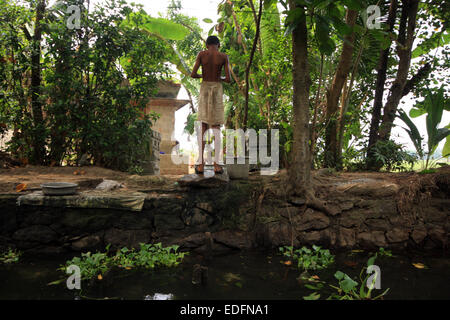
(217, 149)
(201, 144)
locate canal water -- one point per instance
(241, 275)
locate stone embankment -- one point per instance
(364, 213)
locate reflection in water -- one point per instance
(159, 296)
(242, 275)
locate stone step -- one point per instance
(167, 166)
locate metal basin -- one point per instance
(238, 171)
(59, 188)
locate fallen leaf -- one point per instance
(419, 265)
(351, 263)
(99, 277)
(315, 277)
(312, 296)
(21, 187)
(229, 277)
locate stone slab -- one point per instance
(133, 201)
(206, 180)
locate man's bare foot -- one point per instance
(217, 169)
(199, 169)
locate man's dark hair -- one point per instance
(213, 40)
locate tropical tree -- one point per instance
(433, 106)
(91, 104)
(411, 10)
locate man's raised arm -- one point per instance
(194, 73)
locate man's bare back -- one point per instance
(212, 61)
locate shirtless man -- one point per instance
(210, 104)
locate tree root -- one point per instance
(315, 203)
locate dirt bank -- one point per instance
(367, 210)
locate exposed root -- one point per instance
(315, 203)
(421, 188)
(308, 194)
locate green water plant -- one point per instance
(382, 252)
(10, 256)
(312, 296)
(349, 289)
(92, 265)
(148, 256)
(308, 259)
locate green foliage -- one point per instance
(190, 123)
(10, 256)
(382, 252)
(164, 28)
(91, 264)
(135, 169)
(97, 80)
(413, 132)
(438, 39)
(309, 259)
(446, 149)
(347, 288)
(92, 104)
(149, 256)
(392, 156)
(312, 296)
(434, 104)
(427, 171)
(270, 89)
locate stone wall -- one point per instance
(151, 165)
(238, 215)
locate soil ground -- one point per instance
(86, 177)
(89, 177)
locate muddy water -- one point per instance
(242, 275)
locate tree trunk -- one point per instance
(333, 94)
(379, 87)
(404, 47)
(300, 170)
(36, 105)
(316, 105)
